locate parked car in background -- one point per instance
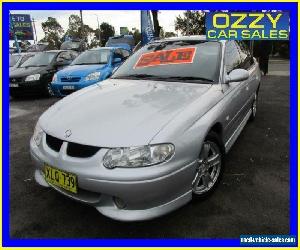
(13, 59)
(90, 67)
(12, 50)
(123, 41)
(38, 47)
(154, 135)
(78, 45)
(23, 46)
(16, 60)
(34, 76)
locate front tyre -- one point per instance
(210, 166)
(48, 90)
(253, 108)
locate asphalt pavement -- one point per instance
(252, 198)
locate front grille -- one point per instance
(67, 91)
(81, 151)
(70, 79)
(53, 142)
(73, 149)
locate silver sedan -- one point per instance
(153, 136)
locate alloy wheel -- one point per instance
(209, 168)
(49, 89)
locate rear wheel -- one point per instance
(210, 166)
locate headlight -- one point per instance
(32, 78)
(54, 78)
(93, 76)
(141, 156)
(37, 134)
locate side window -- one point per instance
(126, 53)
(246, 58)
(118, 54)
(64, 56)
(232, 56)
(73, 55)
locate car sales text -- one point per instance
(248, 26)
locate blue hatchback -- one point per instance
(90, 67)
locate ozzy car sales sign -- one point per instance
(22, 26)
(247, 26)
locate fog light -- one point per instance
(119, 203)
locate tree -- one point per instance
(74, 29)
(53, 33)
(87, 33)
(161, 33)
(106, 31)
(169, 34)
(74, 26)
(94, 42)
(136, 35)
(192, 23)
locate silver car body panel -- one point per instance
(144, 105)
(123, 113)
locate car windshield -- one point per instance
(92, 57)
(181, 60)
(13, 60)
(40, 59)
(25, 58)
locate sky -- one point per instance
(117, 18)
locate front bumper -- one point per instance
(143, 195)
(27, 88)
(61, 89)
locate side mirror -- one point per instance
(62, 62)
(237, 75)
(117, 60)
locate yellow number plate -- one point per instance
(61, 178)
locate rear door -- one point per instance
(247, 63)
(235, 92)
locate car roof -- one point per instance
(187, 38)
(56, 50)
(109, 48)
(22, 53)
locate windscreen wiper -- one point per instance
(86, 63)
(138, 76)
(193, 78)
